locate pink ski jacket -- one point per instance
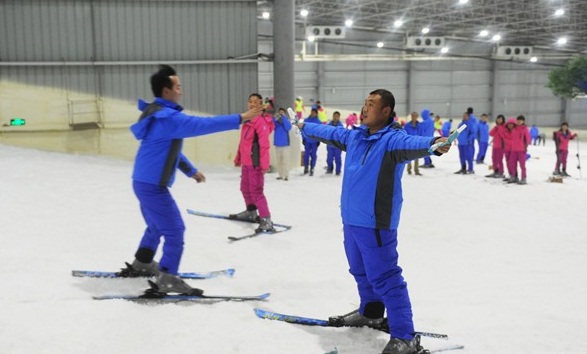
(254, 145)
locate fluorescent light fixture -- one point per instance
(444, 50)
(266, 15)
(348, 23)
(304, 13)
(559, 12)
(533, 60)
(311, 38)
(425, 30)
(398, 23)
(484, 33)
(380, 44)
(462, 2)
(562, 41)
(496, 37)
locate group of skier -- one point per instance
(371, 198)
(376, 155)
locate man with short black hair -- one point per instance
(371, 201)
(161, 129)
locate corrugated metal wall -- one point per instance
(89, 35)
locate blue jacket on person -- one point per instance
(161, 129)
(534, 132)
(427, 125)
(482, 132)
(307, 140)
(281, 133)
(467, 136)
(371, 187)
(413, 129)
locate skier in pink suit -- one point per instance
(561, 139)
(520, 141)
(253, 158)
(498, 147)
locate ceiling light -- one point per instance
(266, 15)
(484, 33)
(559, 12)
(398, 23)
(561, 41)
(425, 30)
(496, 37)
(311, 38)
(348, 23)
(462, 2)
(533, 60)
(304, 13)
(380, 44)
(444, 50)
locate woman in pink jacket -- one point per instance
(520, 139)
(561, 139)
(498, 147)
(253, 157)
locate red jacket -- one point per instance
(497, 134)
(520, 138)
(254, 145)
(562, 140)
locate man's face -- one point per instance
(520, 122)
(255, 102)
(484, 118)
(336, 117)
(466, 116)
(173, 94)
(414, 117)
(374, 114)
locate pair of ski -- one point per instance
(277, 227)
(308, 321)
(153, 295)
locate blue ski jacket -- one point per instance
(482, 131)
(306, 139)
(371, 187)
(427, 127)
(161, 129)
(281, 133)
(467, 137)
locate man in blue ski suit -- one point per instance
(161, 129)
(333, 154)
(482, 138)
(371, 201)
(311, 145)
(467, 143)
(427, 130)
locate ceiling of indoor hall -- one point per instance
(520, 22)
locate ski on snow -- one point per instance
(323, 323)
(278, 227)
(226, 217)
(254, 234)
(152, 294)
(423, 351)
(190, 275)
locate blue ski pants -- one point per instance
(333, 156)
(373, 260)
(163, 219)
(310, 155)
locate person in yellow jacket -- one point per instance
(299, 107)
(322, 115)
